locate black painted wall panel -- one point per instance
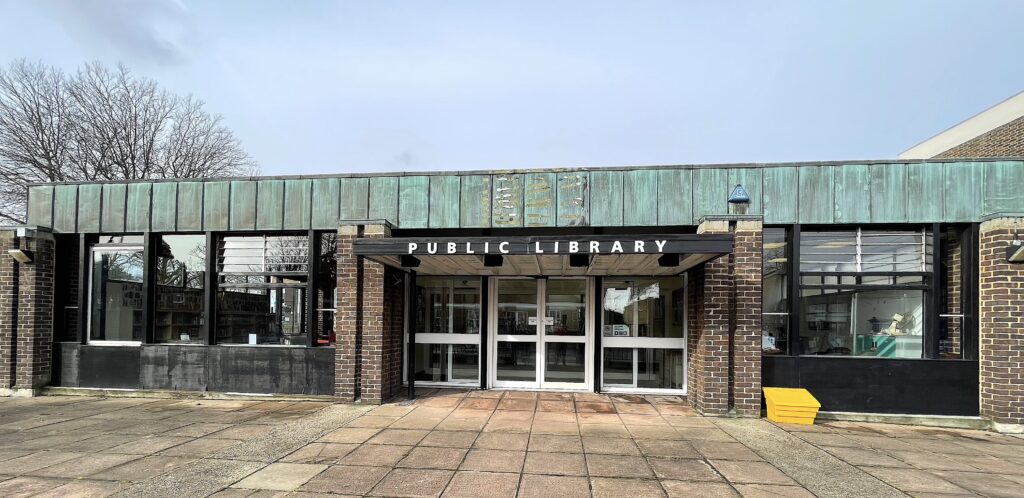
(925, 387)
(115, 367)
(264, 370)
(181, 368)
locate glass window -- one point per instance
(326, 289)
(564, 303)
(643, 308)
(115, 304)
(659, 368)
(273, 315)
(885, 323)
(180, 279)
(774, 292)
(455, 363)
(617, 367)
(517, 304)
(67, 264)
(890, 251)
(448, 305)
(261, 295)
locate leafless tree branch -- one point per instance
(103, 124)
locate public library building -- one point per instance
(881, 287)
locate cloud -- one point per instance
(159, 31)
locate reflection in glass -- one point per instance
(326, 283)
(659, 368)
(180, 278)
(643, 308)
(565, 362)
(878, 323)
(448, 305)
(457, 363)
(268, 315)
(517, 304)
(517, 361)
(115, 309)
(618, 367)
(566, 307)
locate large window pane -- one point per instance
(448, 305)
(659, 368)
(643, 308)
(326, 286)
(828, 251)
(180, 278)
(517, 307)
(274, 314)
(517, 361)
(878, 323)
(565, 362)
(115, 305)
(458, 363)
(566, 307)
(617, 367)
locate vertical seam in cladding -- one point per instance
(458, 200)
(202, 206)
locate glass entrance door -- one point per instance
(541, 334)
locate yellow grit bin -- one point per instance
(791, 406)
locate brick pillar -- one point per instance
(8, 313)
(26, 313)
(1001, 326)
(368, 322)
(346, 318)
(746, 347)
(372, 308)
(724, 342)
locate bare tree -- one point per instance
(103, 124)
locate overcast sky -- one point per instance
(324, 87)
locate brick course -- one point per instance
(1001, 324)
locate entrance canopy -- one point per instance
(647, 254)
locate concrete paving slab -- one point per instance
(281, 476)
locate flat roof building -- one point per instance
(880, 286)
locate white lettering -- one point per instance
(616, 246)
(432, 247)
(638, 246)
(469, 250)
(574, 247)
(451, 248)
(413, 246)
(487, 247)
(503, 247)
(661, 244)
(556, 247)
(595, 246)
(536, 248)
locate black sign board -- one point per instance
(546, 245)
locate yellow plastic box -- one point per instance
(791, 406)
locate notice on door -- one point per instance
(532, 320)
(620, 330)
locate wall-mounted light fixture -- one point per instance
(21, 255)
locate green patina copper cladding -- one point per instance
(871, 192)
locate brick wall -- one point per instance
(35, 315)
(1005, 141)
(746, 346)
(1001, 324)
(724, 342)
(346, 318)
(8, 312)
(26, 314)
